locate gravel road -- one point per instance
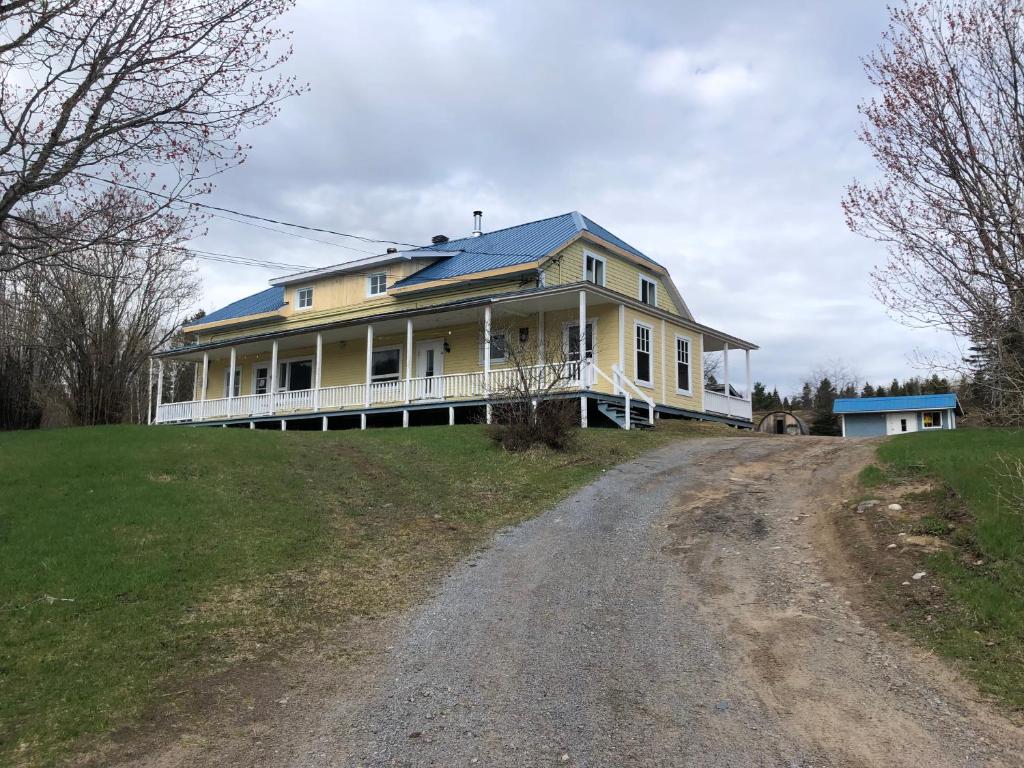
(678, 612)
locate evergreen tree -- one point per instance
(775, 400)
(824, 422)
(868, 391)
(759, 399)
(895, 390)
(881, 392)
(807, 396)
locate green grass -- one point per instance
(983, 626)
(134, 561)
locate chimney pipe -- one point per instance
(478, 217)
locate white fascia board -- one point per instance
(360, 264)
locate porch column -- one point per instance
(725, 374)
(231, 380)
(541, 343)
(622, 344)
(149, 395)
(206, 375)
(408, 364)
(369, 363)
(487, 359)
(663, 346)
(318, 373)
(159, 383)
(583, 356)
(749, 385)
(273, 369)
(583, 335)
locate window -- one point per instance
(682, 364)
(648, 291)
(643, 355)
(572, 341)
(499, 348)
(593, 269)
(932, 419)
(304, 298)
(293, 375)
(377, 284)
(260, 379)
(238, 382)
(386, 365)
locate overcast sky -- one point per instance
(717, 138)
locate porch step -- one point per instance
(617, 413)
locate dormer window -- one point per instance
(648, 291)
(377, 284)
(593, 269)
(304, 298)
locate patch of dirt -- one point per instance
(771, 547)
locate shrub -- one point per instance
(518, 427)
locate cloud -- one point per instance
(682, 73)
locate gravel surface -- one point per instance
(674, 613)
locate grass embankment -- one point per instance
(975, 610)
(135, 560)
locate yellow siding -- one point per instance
(295, 321)
(621, 275)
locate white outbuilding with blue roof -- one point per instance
(877, 416)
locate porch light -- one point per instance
(447, 347)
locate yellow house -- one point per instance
(422, 336)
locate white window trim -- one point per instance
(260, 364)
(591, 321)
(941, 417)
(369, 284)
(636, 355)
(495, 360)
(604, 268)
(282, 381)
(640, 290)
(401, 361)
(227, 380)
(689, 366)
(312, 298)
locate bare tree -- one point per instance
(101, 323)
(947, 131)
(141, 93)
(527, 409)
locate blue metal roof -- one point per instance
(264, 301)
(509, 247)
(904, 403)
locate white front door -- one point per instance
(429, 366)
(900, 423)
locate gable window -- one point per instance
(593, 271)
(648, 291)
(932, 419)
(377, 284)
(238, 382)
(682, 364)
(642, 358)
(386, 364)
(304, 298)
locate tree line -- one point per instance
(114, 118)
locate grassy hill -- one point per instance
(132, 559)
(975, 615)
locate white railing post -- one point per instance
(272, 384)
(318, 378)
(629, 412)
(149, 395)
(541, 350)
(369, 361)
(408, 363)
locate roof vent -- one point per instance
(438, 239)
(392, 250)
(478, 219)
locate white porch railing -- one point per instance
(456, 386)
(727, 405)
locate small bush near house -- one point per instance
(517, 426)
